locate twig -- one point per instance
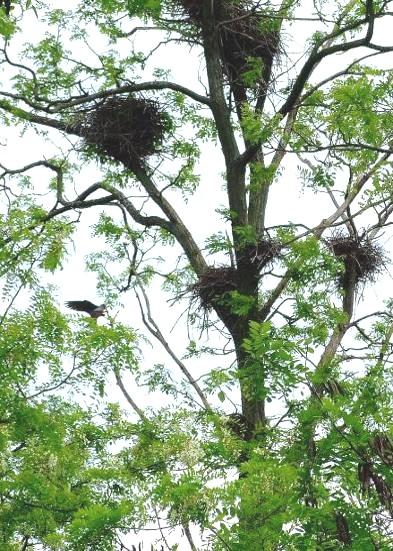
(155, 330)
(128, 397)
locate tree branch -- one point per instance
(317, 55)
(222, 116)
(128, 89)
(174, 225)
(154, 330)
(357, 187)
(314, 59)
(126, 395)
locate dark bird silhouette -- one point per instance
(7, 5)
(86, 306)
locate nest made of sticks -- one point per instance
(125, 128)
(264, 252)
(238, 424)
(213, 285)
(359, 254)
(241, 33)
(193, 9)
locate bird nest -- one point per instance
(263, 253)
(127, 129)
(242, 33)
(239, 426)
(360, 255)
(213, 285)
(193, 9)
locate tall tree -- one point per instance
(289, 444)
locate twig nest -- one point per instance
(193, 8)
(360, 255)
(125, 128)
(239, 426)
(243, 37)
(213, 285)
(263, 253)
(243, 33)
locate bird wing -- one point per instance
(81, 305)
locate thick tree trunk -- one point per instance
(247, 276)
(253, 407)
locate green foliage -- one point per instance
(252, 76)
(272, 428)
(101, 348)
(7, 26)
(218, 242)
(47, 477)
(240, 304)
(246, 235)
(255, 127)
(271, 359)
(95, 526)
(310, 263)
(53, 453)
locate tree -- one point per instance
(289, 443)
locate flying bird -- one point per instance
(86, 306)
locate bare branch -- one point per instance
(128, 397)
(174, 225)
(188, 534)
(154, 330)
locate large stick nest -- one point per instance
(213, 285)
(127, 129)
(242, 33)
(359, 254)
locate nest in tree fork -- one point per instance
(263, 253)
(127, 129)
(239, 426)
(360, 255)
(241, 33)
(213, 285)
(193, 8)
